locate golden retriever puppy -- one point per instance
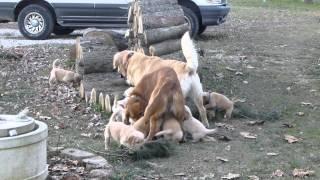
(171, 130)
(156, 95)
(219, 101)
(134, 65)
(124, 134)
(61, 75)
(195, 127)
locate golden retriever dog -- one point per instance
(158, 94)
(124, 134)
(61, 75)
(219, 101)
(134, 65)
(195, 127)
(171, 130)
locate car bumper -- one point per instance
(7, 11)
(214, 15)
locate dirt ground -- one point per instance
(268, 57)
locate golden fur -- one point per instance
(61, 75)
(219, 101)
(160, 94)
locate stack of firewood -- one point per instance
(94, 55)
(156, 26)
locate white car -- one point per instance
(37, 19)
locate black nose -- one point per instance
(121, 76)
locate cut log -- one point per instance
(107, 104)
(165, 47)
(96, 56)
(101, 101)
(152, 36)
(130, 15)
(157, 2)
(75, 50)
(152, 22)
(105, 83)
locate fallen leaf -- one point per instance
(302, 172)
(250, 67)
(238, 73)
(253, 177)
(252, 123)
(180, 174)
(222, 159)
(306, 104)
(278, 173)
(300, 113)
(287, 125)
(245, 82)
(231, 176)
(248, 135)
(86, 134)
(272, 154)
(227, 126)
(223, 138)
(230, 69)
(291, 139)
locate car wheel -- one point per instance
(202, 28)
(192, 20)
(58, 30)
(35, 22)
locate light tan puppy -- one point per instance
(219, 101)
(61, 75)
(134, 65)
(123, 134)
(171, 130)
(195, 127)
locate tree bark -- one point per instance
(165, 47)
(152, 36)
(153, 21)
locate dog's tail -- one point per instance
(54, 64)
(189, 51)
(211, 131)
(164, 132)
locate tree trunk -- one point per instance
(152, 36)
(165, 47)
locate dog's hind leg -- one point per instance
(197, 97)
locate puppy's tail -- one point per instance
(164, 132)
(189, 51)
(211, 131)
(54, 64)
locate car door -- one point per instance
(112, 13)
(73, 12)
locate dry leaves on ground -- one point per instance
(291, 139)
(253, 177)
(278, 173)
(302, 172)
(252, 123)
(272, 154)
(248, 135)
(222, 159)
(231, 176)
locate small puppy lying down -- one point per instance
(124, 134)
(61, 75)
(171, 130)
(219, 101)
(195, 127)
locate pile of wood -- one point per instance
(94, 55)
(156, 26)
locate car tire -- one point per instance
(202, 28)
(192, 20)
(58, 30)
(35, 22)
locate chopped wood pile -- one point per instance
(156, 26)
(94, 55)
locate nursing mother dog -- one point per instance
(134, 66)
